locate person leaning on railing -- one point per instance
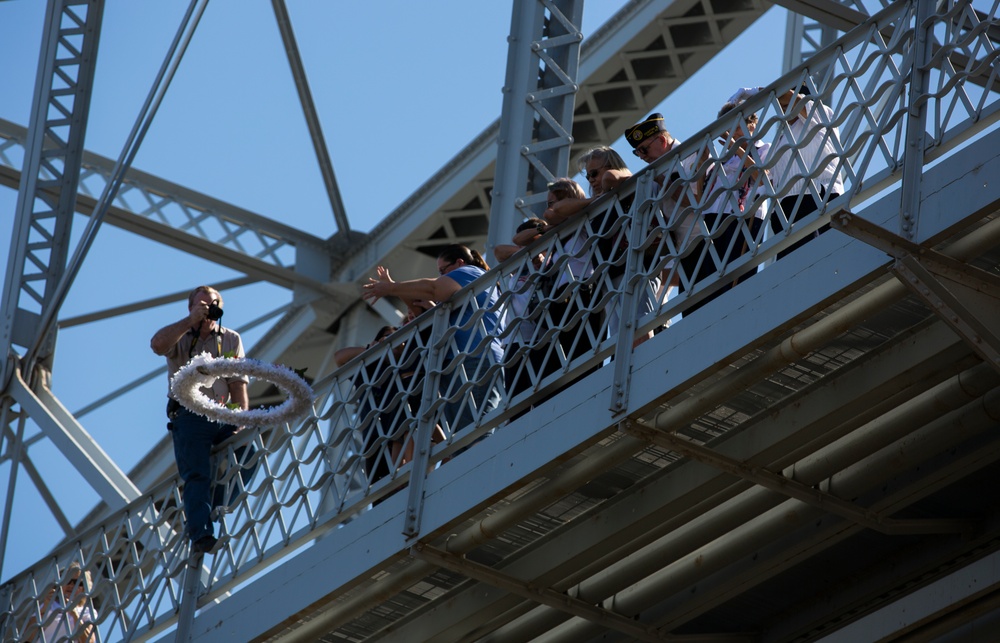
(810, 141)
(729, 214)
(605, 170)
(568, 298)
(392, 402)
(650, 140)
(458, 266)
(563, 283)
(524, 310)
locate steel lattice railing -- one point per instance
(561, 312)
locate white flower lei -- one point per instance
(203, 369)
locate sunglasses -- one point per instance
(591, 174)
(640, 150)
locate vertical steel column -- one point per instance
(803, 38)
(539, 96)
(189, 599)
(916, 121)
(434, 362)
(7, 416)
(639, 222)
(47, 192)
(39, 353)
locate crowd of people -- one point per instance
(563, 301)
(559, 305)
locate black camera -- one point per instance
(214, 311)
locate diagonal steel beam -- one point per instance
(312, 120)
(75, 443)
(965, 297)
(834, 14)
(36, 478)
(147, 204)
(152, 302)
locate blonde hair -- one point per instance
(567, 188)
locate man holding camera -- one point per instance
(194, 436)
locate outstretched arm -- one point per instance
(382, 285)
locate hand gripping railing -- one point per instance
(560, 302)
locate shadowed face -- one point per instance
(595, 172)
(652, 148)
(445, 266)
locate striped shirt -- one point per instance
(817, 157)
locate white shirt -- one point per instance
(66, 622)
(819, 142)
(723, 180)
(680, 229)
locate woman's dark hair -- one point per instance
(456, 251)
(384, 332)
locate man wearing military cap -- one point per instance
(650, 139)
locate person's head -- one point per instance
(416, 308)
(205, 294)
(595, 162)
(77, 582)
(751, 121)
(565, 188)
(384, 332)
(456, 255)
(649, 139)
(534, 223)
(528, 224)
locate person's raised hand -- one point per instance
(377, 286)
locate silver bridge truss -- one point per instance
(830, 411)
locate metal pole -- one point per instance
(916, 122)
(8, 506)
(189, 603)
(312, 119)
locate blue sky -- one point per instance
(399, 92)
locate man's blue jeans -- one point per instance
(194, 438)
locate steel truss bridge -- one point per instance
(809, 455)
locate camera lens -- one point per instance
(214, 312)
